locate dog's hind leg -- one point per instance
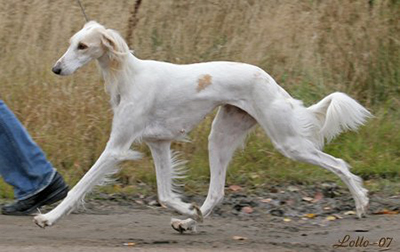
(289, 138)
(341, 169)
(228, 132)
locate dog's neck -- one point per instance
(117, 75)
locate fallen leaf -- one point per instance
(310, 215)
(327, 208)
(385, 211)
(266, 200)
(308, 199)
(140, 202)
(331, 218)
(318, 196)
(337, 216)
(350, 213)
(290, 202)
(254, 176)
(235, 188)
(287, 219)
(129, 244)
(273, 190)
(239, 238)
(247, 209)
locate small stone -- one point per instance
(276, 212)
(266, 200)
(239, 238)
(308, 199)
(293, 189)
(154, 203)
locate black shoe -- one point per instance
(55, 191)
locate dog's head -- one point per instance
(93, 41)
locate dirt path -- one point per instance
(117, 227)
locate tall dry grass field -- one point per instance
(310, 47)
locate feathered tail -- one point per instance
(338, 112)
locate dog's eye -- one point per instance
(82, 46)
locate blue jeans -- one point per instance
(22, 163)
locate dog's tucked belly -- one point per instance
(175, 126)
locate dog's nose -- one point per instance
(56, 70)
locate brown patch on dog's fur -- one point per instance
(203, 82)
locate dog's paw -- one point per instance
(362, 204)
(362, 210)
(199, 215)
(42, 221)
(184, 225)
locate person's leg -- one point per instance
(22, 163)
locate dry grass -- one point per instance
(310, 47)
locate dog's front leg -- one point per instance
(117, 150)
(104, 165)
(165, 173)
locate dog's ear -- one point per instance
(108, 41)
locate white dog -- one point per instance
(158, 102)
